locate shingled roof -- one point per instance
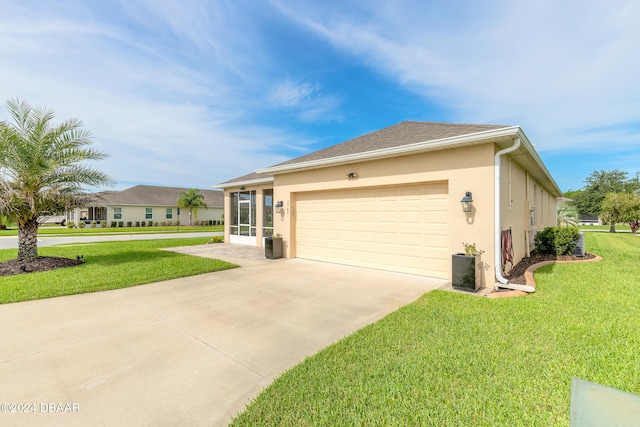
(399, 135)
(404, 133)
(151, 195)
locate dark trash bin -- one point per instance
(273, 247)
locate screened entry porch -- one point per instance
(251, 216)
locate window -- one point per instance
(148, 213)
(267, 213)
(169, 214)
(117, 213)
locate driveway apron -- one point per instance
(190, 351)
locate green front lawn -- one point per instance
(108, 265)
(451, 359)
(44, 230)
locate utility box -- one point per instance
(580, 249)
(273, 247)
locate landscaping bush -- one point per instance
(93, 224)
(163, 223)
(103, 224)
(217, 239)
(556, 240)
(169, 223)
(177, 222)
(197, 222)
(142, 223)
(81, 224)
(137, 223)
(128, 223)
(155, 224)
(113, 224)
(120, 224)
(70, 224)
(150, 224)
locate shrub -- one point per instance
(93, 224)
(142, 223)
(163, 223)
(103, 224)
(113, 224)
(120, 224)
(150, 224)
(81, 224)
(137, 223)
(169, 223)
(217, 239)
(70, 224)
(177, 222)
(196, 222)
(155, 224)
(556, 240)
(128, 223)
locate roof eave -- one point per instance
(265, 180)
(552, 185)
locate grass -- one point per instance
(619, 227)
(450, 359)
(108, 265)
(51, 231)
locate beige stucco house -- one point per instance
(391, 199)
(144, 203)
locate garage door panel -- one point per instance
(393, 228)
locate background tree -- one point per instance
(621, 208)
(191, 200)
(42, 169)
(598, 185)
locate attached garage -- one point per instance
(390, 200)
(396, 228)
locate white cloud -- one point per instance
(557, 68)
(290, 94)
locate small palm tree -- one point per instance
(567, 216)
(42, 169)
(191, 200)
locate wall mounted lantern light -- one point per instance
(352, 175)
(466, 201)
(279, 205)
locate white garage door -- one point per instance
(399, 228)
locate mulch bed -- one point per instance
(43, 263)
(516, 275)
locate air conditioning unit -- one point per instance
(579, 251)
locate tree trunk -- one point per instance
(612, 228)
(28, 240)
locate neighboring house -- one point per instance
(391, 199)
(146, 203)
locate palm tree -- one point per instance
(567, 216)
(191, 200)
(42, 169)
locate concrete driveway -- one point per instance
(191, 351)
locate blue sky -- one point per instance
(191, 93)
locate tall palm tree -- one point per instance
(191, 200)
(42, 169)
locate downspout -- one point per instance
(502, 282)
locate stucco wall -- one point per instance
(464, 169)
(520, 193)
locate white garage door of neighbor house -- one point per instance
(399, 228)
